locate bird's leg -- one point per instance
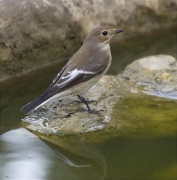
(69, 115)
(88, 101)
(85, 102)
(79, 99)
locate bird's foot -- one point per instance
(88, 101)
(92, 111)
(69, 115)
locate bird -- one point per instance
(82, 71)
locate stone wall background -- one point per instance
(36, 32)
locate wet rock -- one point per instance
(34, 33)
(123, 108)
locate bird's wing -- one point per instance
(70, 76)
(54, 81)
(73, 77)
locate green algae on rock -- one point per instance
(148, 116)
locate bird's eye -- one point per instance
(104, 33)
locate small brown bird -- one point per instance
(82, 71)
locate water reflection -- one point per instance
(83, 159)
(25, 156)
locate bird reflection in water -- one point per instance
(83, 159)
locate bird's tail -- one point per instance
(31, 106)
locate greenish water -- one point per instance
(148, 153)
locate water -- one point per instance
(148, 153)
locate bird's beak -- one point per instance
(118, 31)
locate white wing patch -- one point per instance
(72, 74)
(56, 77)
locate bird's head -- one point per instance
(102, 34)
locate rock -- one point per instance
(54, 114)
(124, 109)
(5, 54)
(157, 73)
(33, 33)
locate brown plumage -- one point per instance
(82, 71)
